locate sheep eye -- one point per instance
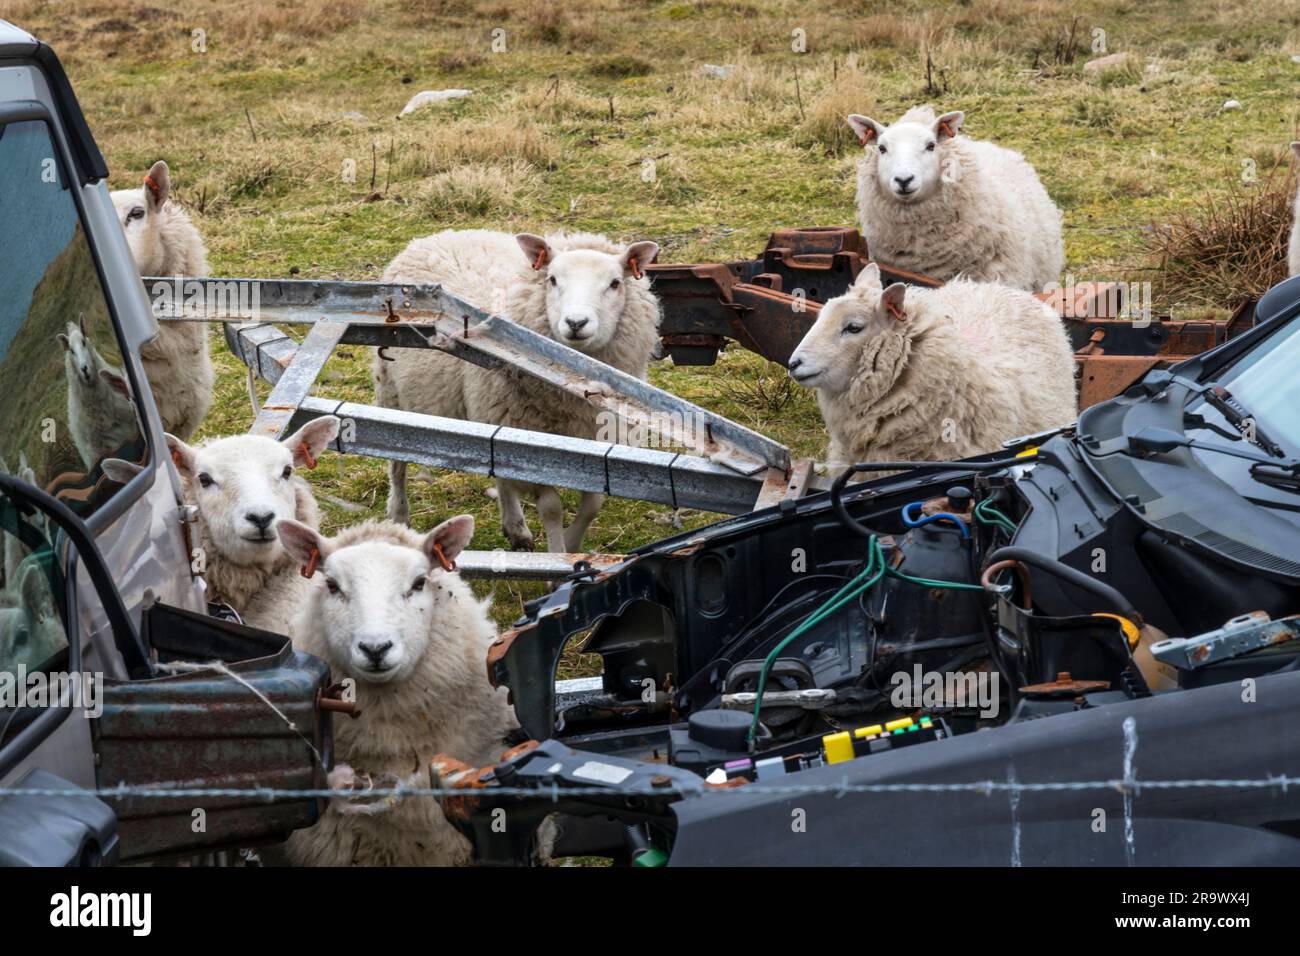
(929, 147)
(551, 280)
(287, 473)
(615, 284)
(418, 584)
(331, 586)
(883, 151)
(853, 328)
(137, 212)
(206, 480)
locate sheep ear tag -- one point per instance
(447, 563)
(152, 185)
(309, 568)
(540, 260)
(893, 310)
(307, 457)
(635, 267)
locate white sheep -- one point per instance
(31, 630)
(242, 485)
(101, 414)
(164, 242)
(915, 374)
(945, 205)
(581, 290)
(1293, 253)
(385, 610)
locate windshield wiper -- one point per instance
(1240, 418)
(1281, 473)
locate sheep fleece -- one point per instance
(446, 705)
(992, 219)
(988, 362)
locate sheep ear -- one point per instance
(81, 322)
(865, 128)
(637, 256)
(183, 456)
(868, 278)
(157, 186)
(63, 340)
(303, 544)
(443, 543)
(535, 248)
(116, 382)
(35, 596)
(890, 308)
(120, 470)
(310, 440)
(948, 125)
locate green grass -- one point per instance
(739, 157)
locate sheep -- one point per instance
(944, 205)
(164, 242)
(386, 609)
(1293, 254)
(31, 630)
(242, 485)
(101, 414)
(581, 290)
(914, 374)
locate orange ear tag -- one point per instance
(447, 565)
(635, 267)
(152, 186)
(540, 260)
(893, 310)
(306, 453)
(309, 568)
(947, 129)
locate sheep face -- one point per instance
(378, 602)
(245, 483)
(30, 630)
(828, 357)
(141, 213)
(79, 355)
(585, 289)
(908, 156)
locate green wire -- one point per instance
(867, 578)
(986, 513)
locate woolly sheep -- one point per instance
(164, 242)
(382, 611)
(916, 374)
(101, 415)
(30, 628)
(1293, 255)
(581, 290)
(934, 202)
(242, 485)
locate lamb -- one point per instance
(242, 485)
(386, 609)
(1293, 254)
(580, 289)
(164, 242)
(101, 415)
(934, 202)
(914, 374)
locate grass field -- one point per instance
(279, 122)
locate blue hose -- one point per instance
(937, 516)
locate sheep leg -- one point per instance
(588, 508)
(513, 523)
(399, 508)
(551, 509)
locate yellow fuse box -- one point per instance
(839, 747)
(895, 724)
(874, 730)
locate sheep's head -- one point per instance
(829, 355)
(31, 630)
(377, 601)
(245, 483)
(84, 363)
(141, 213)
(908, 156)
(586, 289)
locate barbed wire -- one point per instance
(556, 792)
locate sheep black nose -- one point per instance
(376, 652)
(794, 364)
(903, 181)
(576, 325)
(261, 521)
